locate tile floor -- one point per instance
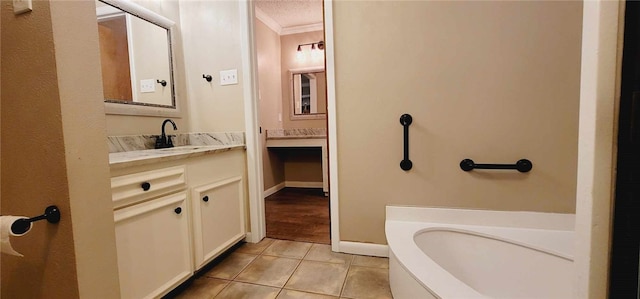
(288, 269)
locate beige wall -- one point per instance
(270, 101)
(133, 125)
(54, 149)
(490, 81)
(211, 36)
(289, 48)
(302, 165)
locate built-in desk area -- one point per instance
(302, 138)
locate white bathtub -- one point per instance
(452, 253)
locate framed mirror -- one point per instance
(136, 58)
(308, 93)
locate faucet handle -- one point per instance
(160, 142)
(169, 141)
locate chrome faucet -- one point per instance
(164, 141)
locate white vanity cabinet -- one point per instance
(173, 216)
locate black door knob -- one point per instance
(205, 199)
(145, 186)
(178, 210)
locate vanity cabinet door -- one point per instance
(152, 239)
(218, 218)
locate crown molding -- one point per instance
(267, 20)
(302, 29)
(273, 25)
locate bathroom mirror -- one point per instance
(136, 59)
(308, 94)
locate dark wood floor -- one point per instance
(298, 214)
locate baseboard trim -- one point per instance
(274, 189)
(364, 248)
(292, 184)
(248, 238)
(296, 184)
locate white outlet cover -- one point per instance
(147, 85)
(229, 77)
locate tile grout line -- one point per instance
(277, 256)
(225, 287)
(245, 267)
(280, 290)
(344, 283)
(294, 270)
(297, 266)
(233, 279)
(323, 262)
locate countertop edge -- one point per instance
(164, 157)
(297, 137)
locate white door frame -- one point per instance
(599, 93)
(332, 131)
(254, 151)
(252, 123)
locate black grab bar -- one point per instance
(523, 165)
(405, 121)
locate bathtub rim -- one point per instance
(516, 219)
(403, 224)
(484, 232)
(415, 262)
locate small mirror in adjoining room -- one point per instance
(308, 94)
(136, 58)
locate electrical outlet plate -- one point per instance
(229, 77)
(147, 85)
(22, 6)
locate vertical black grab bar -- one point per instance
(405, 121)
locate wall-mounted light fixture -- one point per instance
(316, 47)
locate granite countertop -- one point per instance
(298, 137)
(134, 150)
(143, 157)
(309, 133)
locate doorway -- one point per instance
(289, 43)
(625, 250)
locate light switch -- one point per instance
(229, 77)
(147, 85)
(22, 6)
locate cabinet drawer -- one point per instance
(153, 245)
(132, 188)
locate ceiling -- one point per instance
(291, 13)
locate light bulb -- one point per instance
(299, 55)
(316, 54)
